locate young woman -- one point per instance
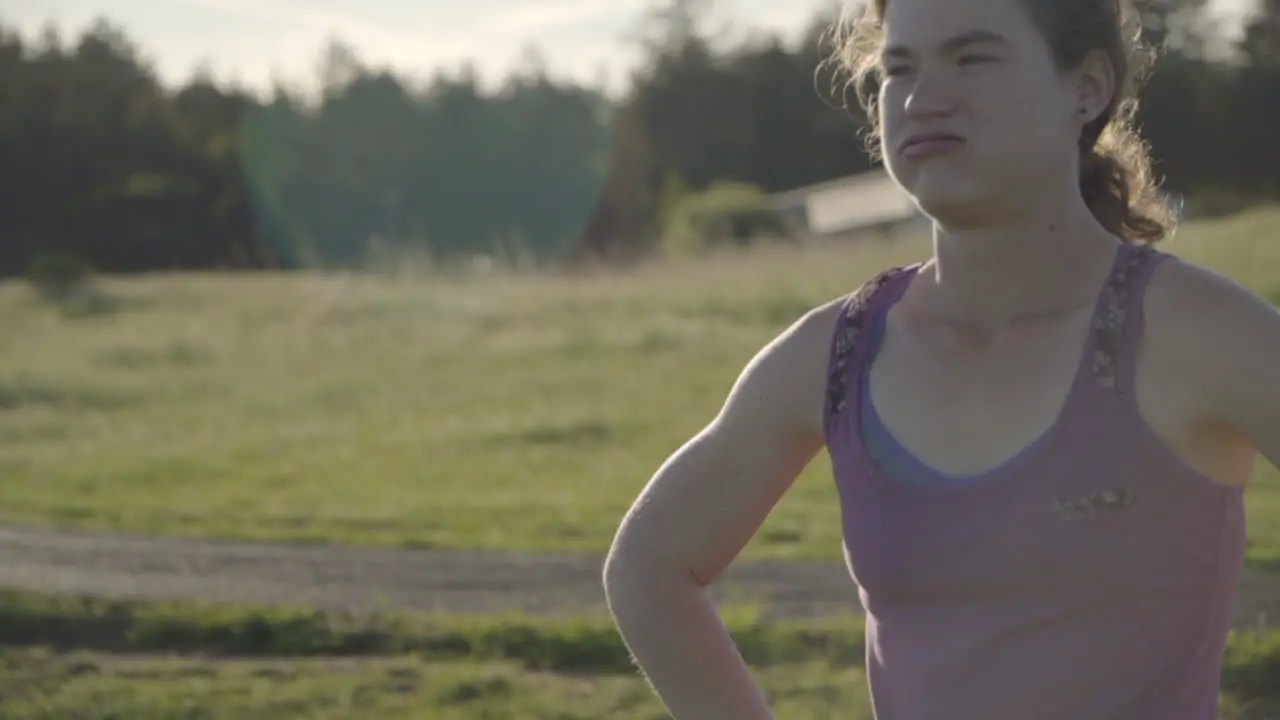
(1040, 436)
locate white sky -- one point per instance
(253, 41)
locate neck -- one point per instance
(1043, 262)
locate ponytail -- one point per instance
(1116, 181)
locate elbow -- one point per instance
(636, 580)
(623, 572)
(629, 569)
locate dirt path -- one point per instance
(337, 578)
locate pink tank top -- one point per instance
(1093, 577)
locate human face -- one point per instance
(976, 119)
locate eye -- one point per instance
(972, 59)
(895, 70)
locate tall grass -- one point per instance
(497, 409)
(72, 658)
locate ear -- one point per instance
(1095, 86)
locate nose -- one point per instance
(930, 96)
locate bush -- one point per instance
(59, 276)
(1216, 204)
(725, 214)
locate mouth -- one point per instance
(930, 143)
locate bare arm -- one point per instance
(699, 510)
(1238, 335)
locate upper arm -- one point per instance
(1235, 337)
(710, 497)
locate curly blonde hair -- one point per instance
(1116, 178)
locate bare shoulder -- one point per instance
(1198, 311)
(1223, 339)
(786, 380)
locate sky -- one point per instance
(253, 42)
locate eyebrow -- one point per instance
(955, 43)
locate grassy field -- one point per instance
(69, 658)
(499, 411)
(278, 664)
(90, 687)
(482, 411)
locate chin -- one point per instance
(963, 198)
(951, 201)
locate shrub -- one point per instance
(725, 214)
(59, 276)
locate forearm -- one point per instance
(680, 643)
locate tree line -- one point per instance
(103, 162)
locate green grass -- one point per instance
(88, 687)
(507, 411)
(587, 643)
(39, 686)
(70, 658)
(84, 658)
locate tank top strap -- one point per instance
(847, 348)
(1117, 323)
